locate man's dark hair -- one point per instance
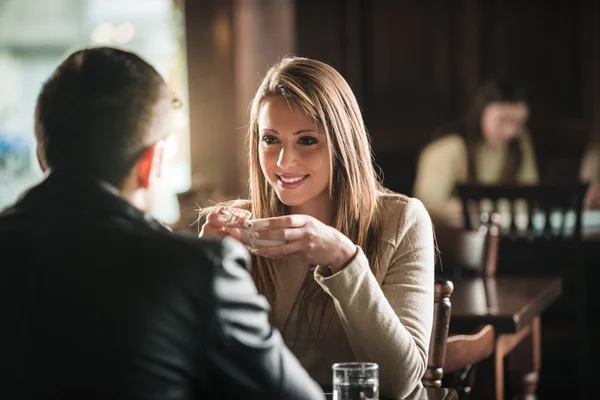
(95, 114)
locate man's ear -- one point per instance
(149, 162)
(39, 151)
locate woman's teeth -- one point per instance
(292, 180)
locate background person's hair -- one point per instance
(502, 90)
(98, 112)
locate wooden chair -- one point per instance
(467, 252)
(541, 234)
(439, 333)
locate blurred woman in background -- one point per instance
(491, 145)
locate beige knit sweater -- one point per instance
(385, 322)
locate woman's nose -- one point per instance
(287, 157)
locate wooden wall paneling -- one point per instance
(590, 48)
(409, 85)
(408, 63)
(210, 86)
(352, 46)
(320, 31)
(468, 31)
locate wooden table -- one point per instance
(513, 305)
(507, 303)
(423, 394)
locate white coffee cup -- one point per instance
(257, 226)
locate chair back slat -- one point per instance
(548, 211)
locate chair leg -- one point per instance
(468, 379)
(461, 381)
(490, 378)
(524, 364)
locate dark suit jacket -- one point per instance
(99, 300)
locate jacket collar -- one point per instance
(60, 191)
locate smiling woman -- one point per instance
(353, 279)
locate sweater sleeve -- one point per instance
(441, 166)
(391, 324)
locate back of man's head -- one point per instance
(98, 112)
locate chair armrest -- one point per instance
(464, 350)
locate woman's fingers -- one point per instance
(282, 250)
(288, 234)
(238, 212)
(224, 218)
(212, 231)
(235, 232)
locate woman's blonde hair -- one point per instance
(322, 93)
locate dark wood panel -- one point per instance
(409, 48)
(332, 32)
(321, 31)
(408, 70)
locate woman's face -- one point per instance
(503, 121)
(293, 154)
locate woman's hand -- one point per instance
(226, 221)
(309, 240)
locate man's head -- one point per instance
(104, 113)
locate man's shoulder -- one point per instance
(219, 266)
(214, 250)
(146, 241)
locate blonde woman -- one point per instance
(354, 281)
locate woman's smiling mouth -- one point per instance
(290, 181)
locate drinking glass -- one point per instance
(355, 381)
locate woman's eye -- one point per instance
(307, 140)
(269, 139)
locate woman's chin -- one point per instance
(290, 200)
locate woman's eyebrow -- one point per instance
(295, 133)
(304, 130)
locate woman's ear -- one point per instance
(150, 163)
